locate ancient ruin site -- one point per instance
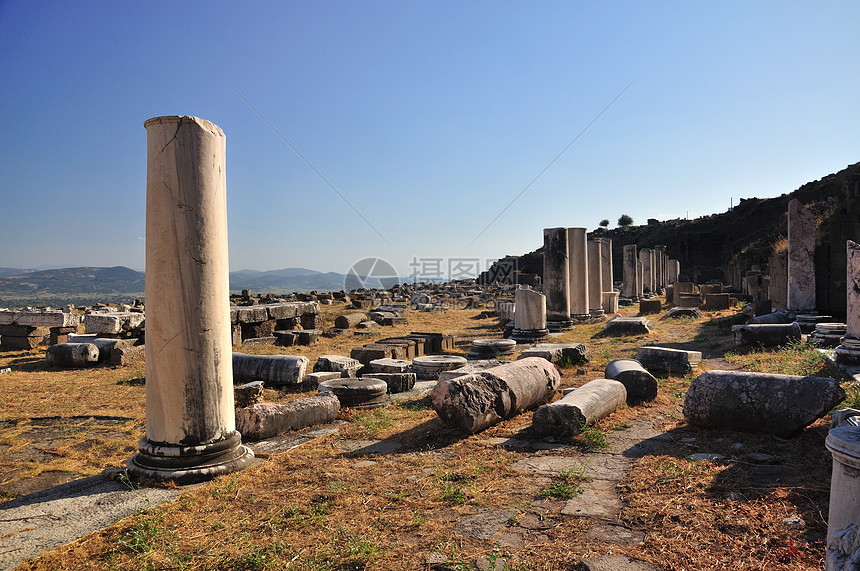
(617, 405)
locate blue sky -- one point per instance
(429, 117)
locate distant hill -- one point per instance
(88, 285)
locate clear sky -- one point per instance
(429, 117)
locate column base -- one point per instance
(580, 317)
(557, 326)
(190, 464)
(596, 313)
(529, 335)
(848, 353)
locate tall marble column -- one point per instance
(674, 270)
(660, 268)
(190, 419)
(595, 278)
(646, 256)
(578, 247)
(640, 276)
(606, 265)
(628, 285)
(556, 279)
(801, 259)
(849, 350)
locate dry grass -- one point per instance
(324, 507)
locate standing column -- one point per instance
(578, 246)
(190, 419)
(645, 256)
(661, 268)
(606, 265)
(849, 351)
(628, 285)
(674, 269)
(595, 278)
(801, 261)
(640, 284)
(556, 279)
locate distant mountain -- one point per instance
(285, 280)
(13, 272)
(72, 281)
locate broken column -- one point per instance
(595, 279)
(628, 285)
(606, 267)
(190, 422)
(530, 323)
(673, 271)
(578, 250)
(801, 260)
(580, 408)
(556, 279)
(849, 350)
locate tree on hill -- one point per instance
(604, 223)
(625, 220)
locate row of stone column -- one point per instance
(578, 280)
(647, 272)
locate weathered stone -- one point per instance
(530, 318)
(307, 336)
(371, 352)
(346, 366)
(389, 366)
(248, 394)
(639, 383)
(313, 380)
(610, 301)
(47, 319)
(126, 355)
(72, 354)
(278, 311)
(258, 329)
(366, 392)
(474, 402)
(349, 320)
(429, 366)
(397, 382)
(766, 335)
(649, 306)
(843, 443)
(679, 312)
(618, 326)
(61, 334)
(252, 314)
(584, 406)
(771, 318)
(273, 370)
(717, 301)
(578, 252)
(628, 285)
(562, 354)
(475, 366)
(759, 402)
(112, 323)
(265, 420)
(556, 282)
(664, 361)
(801, 259)
(491, 348)
(595, 278)
(259, 341)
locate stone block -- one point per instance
(252, 314)
(479, 400)
(273, 370)
(248, 394)
(311, 321)
(371, 352)
(61, 334)
(663, 361)
(10, 343)
(397, 382)
(717, 301)
(389, 366)
(128, 355)
(7, 317)
(112, 323)
(307, 336)
(649, 306)
(236, 334)
(567, 354)
(639, 383)
(346, 366)
(581, 407)
(357, 393)
(47, 319)
(782, 405)
(258, 329)
(688, 300)
(265, 420)
(19, 331)
(314, 379)
(679, 312)
(467, 369)
(765, 334)
(619, 326)
(259, 341)
(282, 310)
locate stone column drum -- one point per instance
(595, 278)
(578, 249)
(628, 276)
(190, 420)
(674, 269)
(849, 350)
(801, 259)
(556, 279)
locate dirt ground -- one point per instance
(394, 488)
